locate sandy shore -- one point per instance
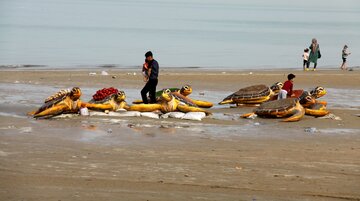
(220, 158)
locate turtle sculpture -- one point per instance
(255, 94)
(289, 108)
(182, 93)
(107, 100)
(318, 109)
(62, 102)
(318, 92)
(314, 108)
(168, 103)
(186, 90)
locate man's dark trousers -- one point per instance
(150, 87)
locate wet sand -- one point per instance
(219, 158)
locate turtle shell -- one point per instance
(54, 99)
(58, 95)
(251, 92)
(277, 106)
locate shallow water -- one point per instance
(33, 95)
(343, 98)
(17, 99)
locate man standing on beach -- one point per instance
(151, 72)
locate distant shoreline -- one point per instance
(120, 67)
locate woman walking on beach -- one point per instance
(314, 53)
(345, 53)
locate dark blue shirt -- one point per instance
(154, 66)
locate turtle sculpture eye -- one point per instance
(167, 91)
(308, 98)
(186, 87)
(320, 89)
(121, 93)
(75, 89)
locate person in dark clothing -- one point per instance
(151, 72)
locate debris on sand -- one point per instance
(25, 130)
(104, 73)
(331, 116)
(310, 130)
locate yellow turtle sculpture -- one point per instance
(62, 102)
(318, 92)
(183, 93)
(168, 103)
(316, 108)
(112, 102)
(186, 90)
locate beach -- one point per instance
(222, 157)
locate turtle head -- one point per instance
(120, 96)
(318, 92)
(186, 90)
(166, 95)
(75, 93)
(306, 99)
(276, 87)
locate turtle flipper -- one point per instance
(137, 101)
(203, 104)
(94, 106)
(53, 111)
(230, 101)
(32, 113)
(247, 115)
(316, 113)
(317, 110)
(324, 103)
(145, 107)
(186, 108)
(299, 112)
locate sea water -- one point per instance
(254, 34)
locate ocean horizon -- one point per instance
(200, 33)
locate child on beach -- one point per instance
(345, 53)
(287, 89)
(306, 59)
